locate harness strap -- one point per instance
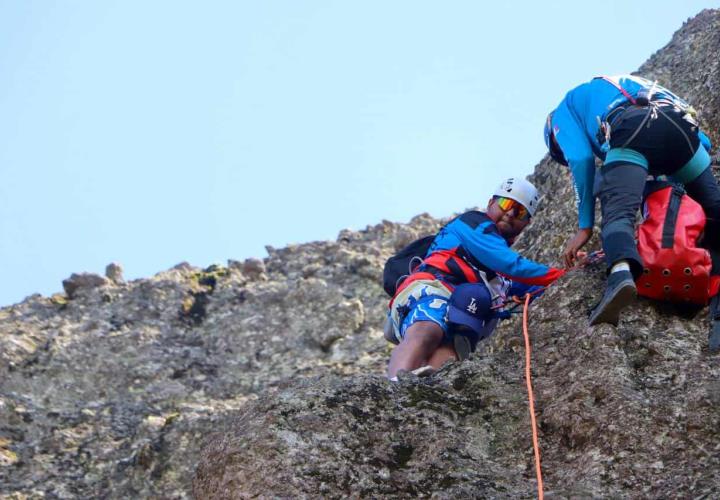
(622, 90)
(456, 266)
(452, 271)
(687, 139)
(650, 113)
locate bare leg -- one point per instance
(420, 342)
(442, 355)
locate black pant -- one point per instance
(668, 142)
(705, 191)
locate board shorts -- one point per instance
(422, 300)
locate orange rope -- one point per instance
(587, 259)
(531, 398)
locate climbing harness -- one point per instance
(646, 98)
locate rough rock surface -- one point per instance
(111, 391)
(264, 378)
(83, 281)
(114, 272)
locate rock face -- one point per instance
(360, 436)
(83, 281)
(114, 272)
(112, 390)
(264, 378)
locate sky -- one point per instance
(150, 133)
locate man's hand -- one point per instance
(570, 254)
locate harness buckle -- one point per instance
(603, 135)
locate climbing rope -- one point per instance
(531, 398)
(590, 259)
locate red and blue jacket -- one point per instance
(470, 244)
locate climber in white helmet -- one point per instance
(451, 299)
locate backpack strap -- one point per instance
(617, 86)
(673, 210)
(671, 216)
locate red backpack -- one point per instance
(676, 269)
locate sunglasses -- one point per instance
(507, 204)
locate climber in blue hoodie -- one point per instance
(638, 128)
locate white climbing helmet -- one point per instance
(521, 191)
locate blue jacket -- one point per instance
(576, 122)
(471, 243)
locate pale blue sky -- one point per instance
(155, 132)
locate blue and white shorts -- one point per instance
(424, 300)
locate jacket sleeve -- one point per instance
(487, 246)
(583, 171)
(579, 154)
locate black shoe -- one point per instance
(620, 292)
(714, 334)
(462, 346)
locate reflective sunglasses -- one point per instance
(507, 204)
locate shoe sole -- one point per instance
(423, 371)
(462, 347)
(625, 295)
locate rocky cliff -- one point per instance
(264, 378)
